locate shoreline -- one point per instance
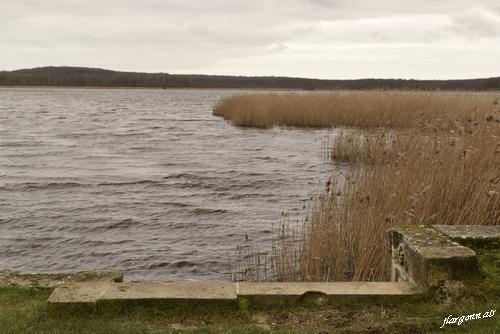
(157, 88)
(251, 89)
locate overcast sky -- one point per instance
(306, 38)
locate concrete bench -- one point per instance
(423, 256)
(91, 293)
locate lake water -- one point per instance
(144, 181)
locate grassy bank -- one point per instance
(416, 158)
(23, 311)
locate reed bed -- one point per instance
(427, 180)
(396, 110)
(417, 158)
(365, 147)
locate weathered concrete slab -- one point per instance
(79, 293)
(472, 235)
(427, 257)
(269, 292)
(248, 289)
(8, 279)
(93, 292)
(171, 290)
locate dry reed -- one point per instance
(426, 158)
(366, 147)
(249, 264)
(440, 180)
(397, 110)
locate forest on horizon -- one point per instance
(93, 77)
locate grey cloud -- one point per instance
(281, 37)
(478, 22)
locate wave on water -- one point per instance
(128, 183)
(126, 223)
(32, 186)
(41, 186)
(208, 211)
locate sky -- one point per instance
(329, 39)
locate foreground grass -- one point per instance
(23, 311)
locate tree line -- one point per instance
(91, 77)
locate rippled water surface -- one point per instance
(144, 181)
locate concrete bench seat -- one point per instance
(93, 292)
(75, 293)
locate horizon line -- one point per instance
(247, 76)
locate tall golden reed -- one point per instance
(426, 158)
(397, 110)
(426, 180)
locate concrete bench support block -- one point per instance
(427, 257)
(474, 236)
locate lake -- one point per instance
(144, 181)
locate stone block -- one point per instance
(94, 292)
(270, 292)
(425, 256)
(474, 236)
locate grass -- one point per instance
(415, 158)
(23, 311)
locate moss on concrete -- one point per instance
(472, 236)
(8, 279)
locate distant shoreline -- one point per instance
(81, 77)
(169, 88)
(252, 89)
